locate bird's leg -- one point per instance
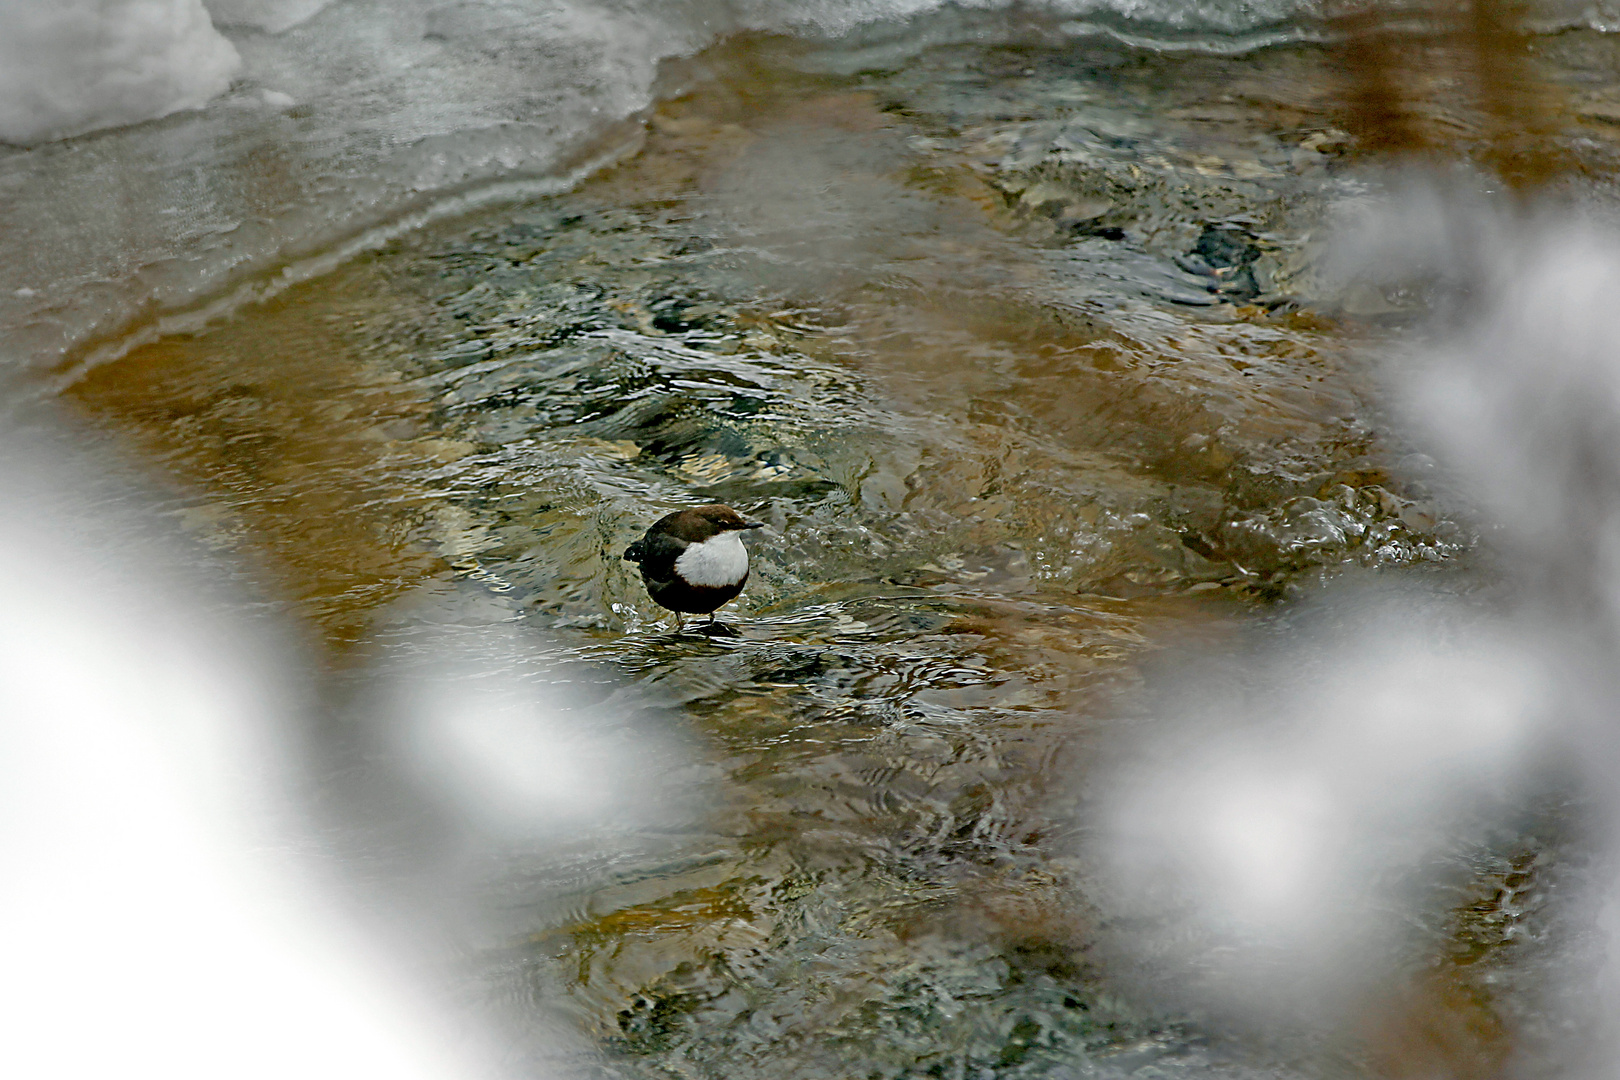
(680, 623)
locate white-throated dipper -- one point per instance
(694, 560)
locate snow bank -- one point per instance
(273, 16)
(72, 66)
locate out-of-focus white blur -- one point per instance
(1289, 815)
(152, 922)
(481, 727)
(1291, 810)
(1516, 389)
(467, 750)
(1521, 393)
(159, 913)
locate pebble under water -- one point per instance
(1022, 350)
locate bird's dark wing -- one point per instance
(657, 552)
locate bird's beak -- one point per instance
(753, 524)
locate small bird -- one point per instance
(694, 560)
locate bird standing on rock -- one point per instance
(694, 560)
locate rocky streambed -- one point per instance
(1022, 345)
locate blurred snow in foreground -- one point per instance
(161, 912)
(1292, 812)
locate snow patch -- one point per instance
(271, 16)
(73, 66)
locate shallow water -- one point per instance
(1021, 349)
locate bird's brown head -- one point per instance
(725, 518)
(701, 522)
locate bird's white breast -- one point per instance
(719, 560)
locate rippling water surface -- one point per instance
(1019, 344)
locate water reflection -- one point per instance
(299, 448)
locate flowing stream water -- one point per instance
(1015, 332)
